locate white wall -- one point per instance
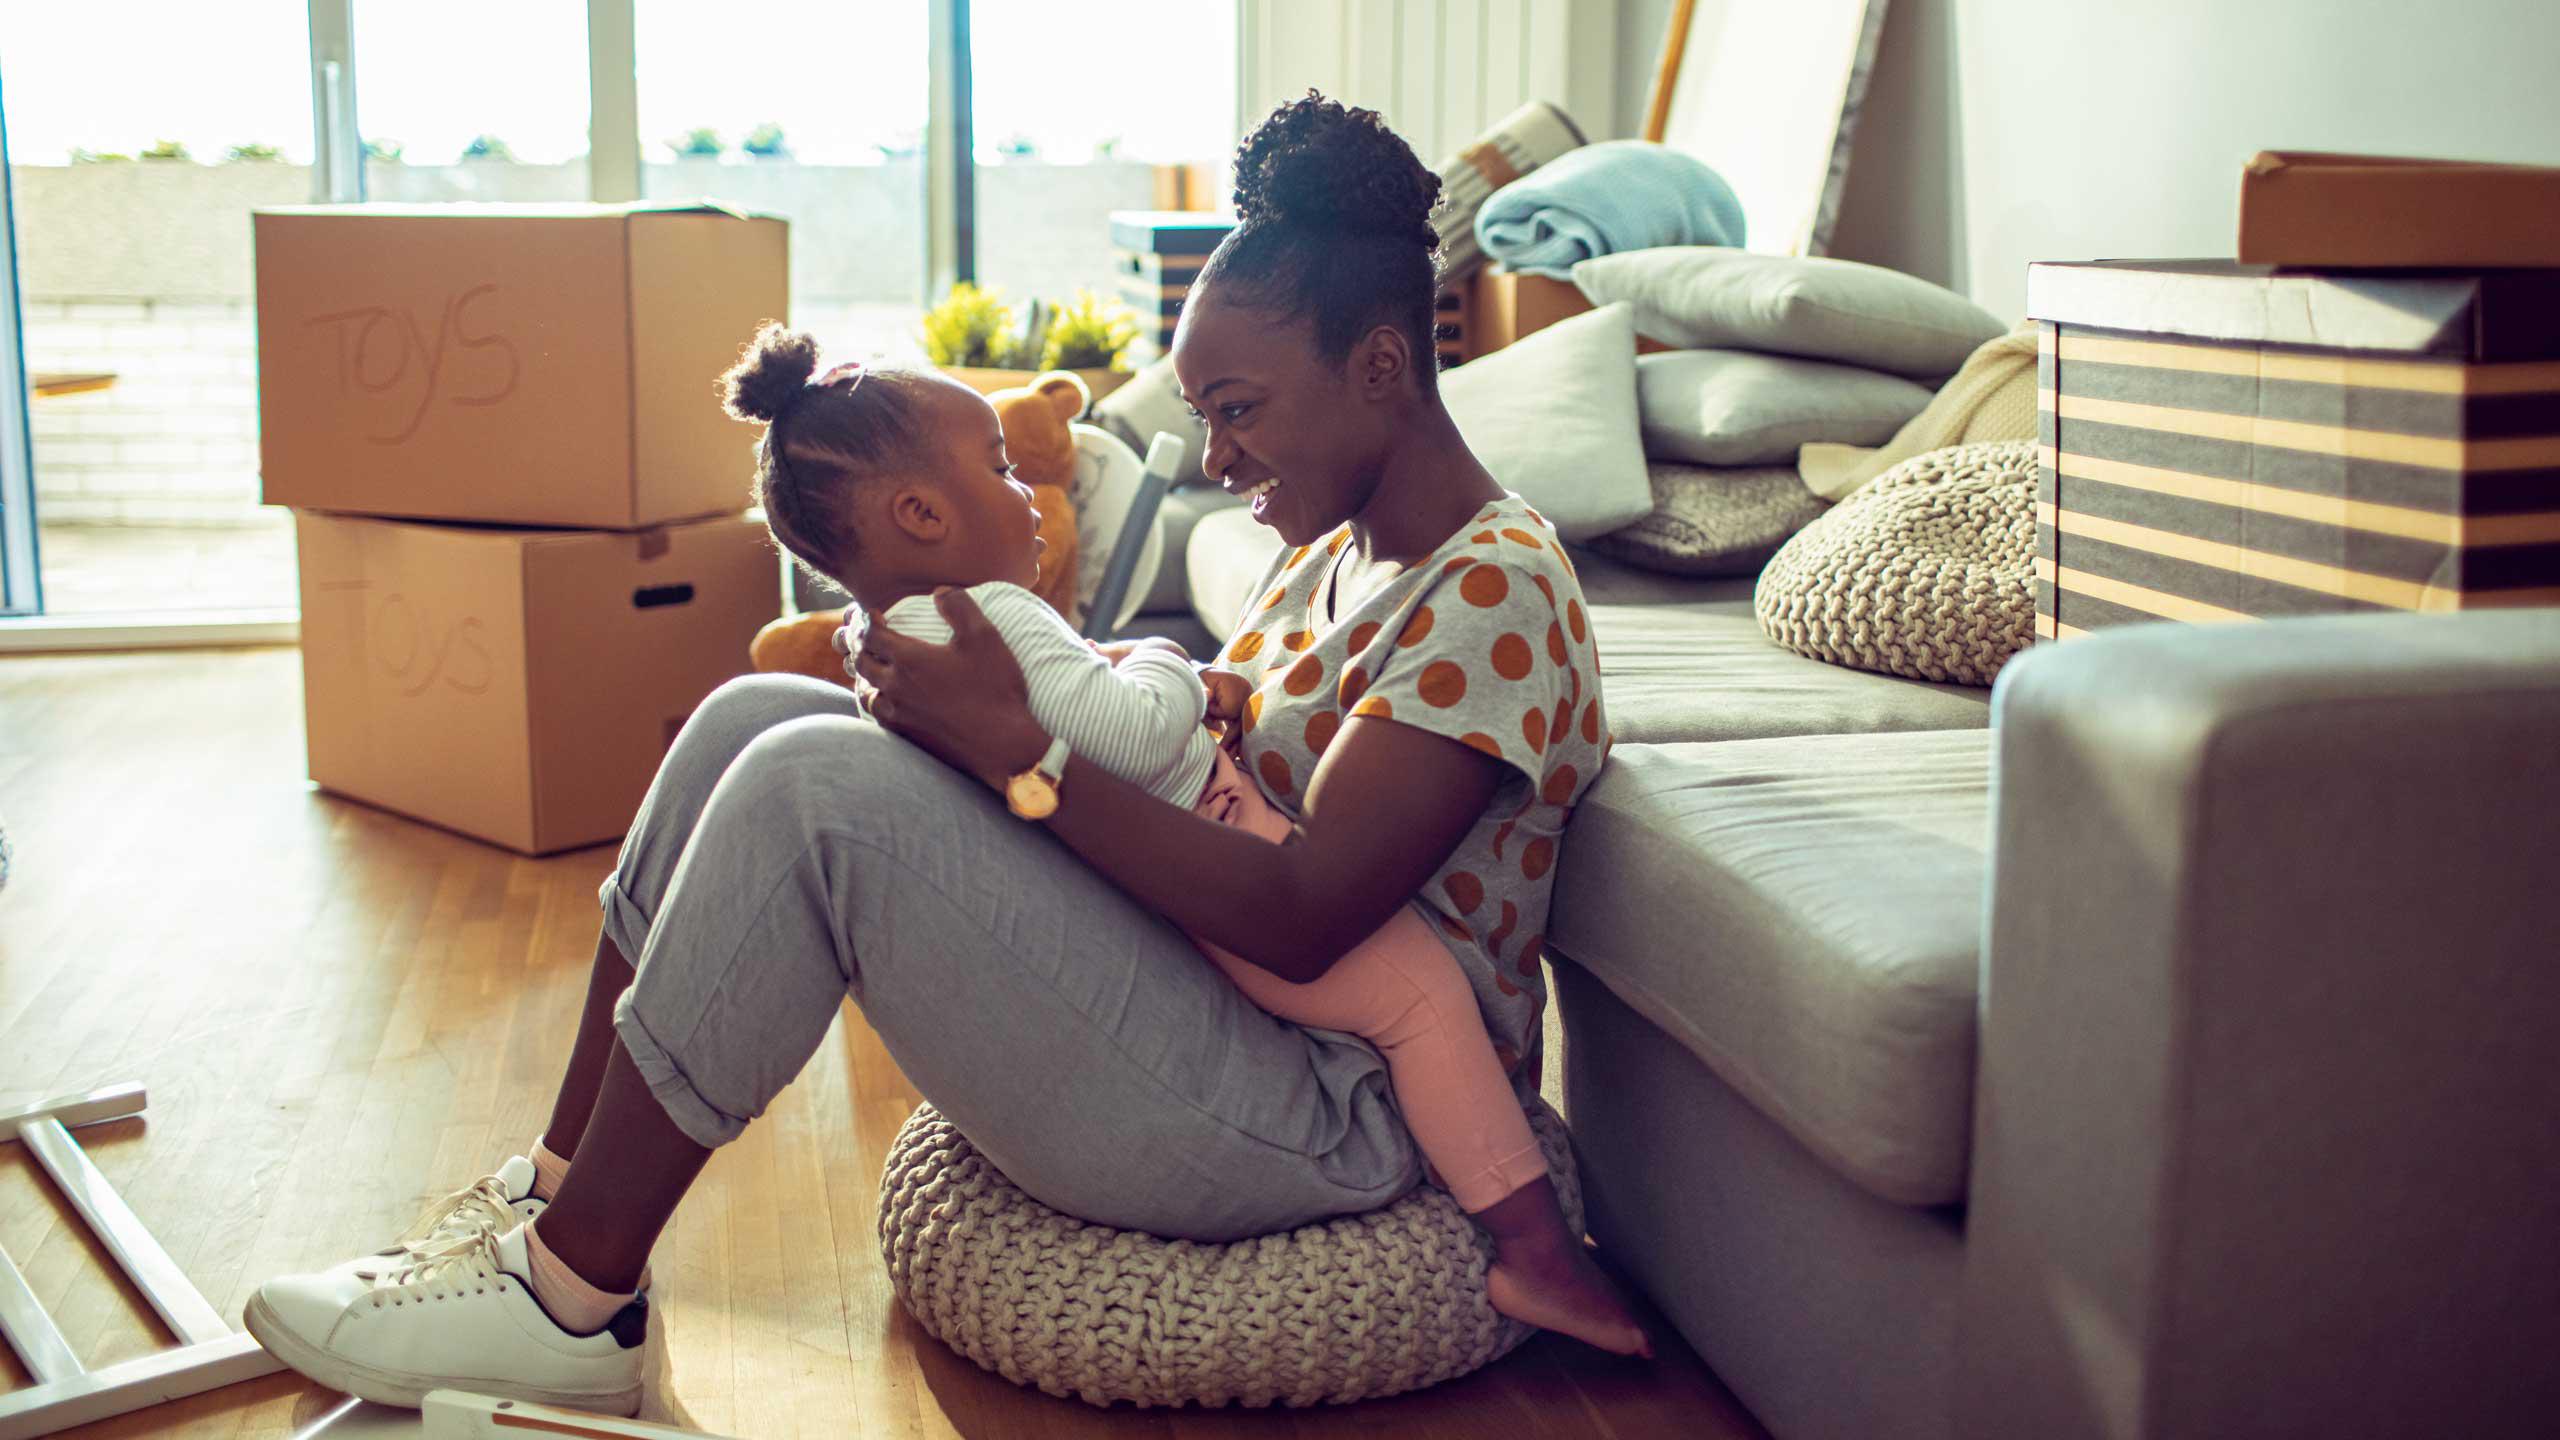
(2003, 131)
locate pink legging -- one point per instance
(1402, 991)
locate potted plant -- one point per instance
(977, 338)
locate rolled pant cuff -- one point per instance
(625, 923)
(704, 1123)
(1496, 1182)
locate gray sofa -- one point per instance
(2160, 1046)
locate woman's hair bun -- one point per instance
(1314, 162)
(772, 371)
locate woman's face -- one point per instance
(1285, 427)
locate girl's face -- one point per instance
(1285, 427)
(967, 520)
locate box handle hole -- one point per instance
(650, 597)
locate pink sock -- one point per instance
(580, 1308)
(549, 1171)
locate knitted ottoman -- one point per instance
(1345, 1309)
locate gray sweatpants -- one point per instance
(790, 853)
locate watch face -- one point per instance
(1031, 796)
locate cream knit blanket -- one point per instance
(1992, 398)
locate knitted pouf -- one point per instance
(1344, 1309)
(1927, 571)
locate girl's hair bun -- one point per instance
(1313, 162)
(772, 371)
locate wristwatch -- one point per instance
(1033, 794)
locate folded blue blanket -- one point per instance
(1600, 199)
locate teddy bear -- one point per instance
(1042, 448)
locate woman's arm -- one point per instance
(1384, 811)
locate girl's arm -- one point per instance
(1385, 809)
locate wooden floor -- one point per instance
(340, 1014)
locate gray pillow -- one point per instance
(1731, 407)
(1553, 416)
(1700, 297)
(1709, 521)
(1149, 403)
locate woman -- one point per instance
(1425, 705)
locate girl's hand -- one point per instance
(964, 702)
(1228, 692)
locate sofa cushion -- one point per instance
(1804, 915)
(1183, 510)
(1680, 659)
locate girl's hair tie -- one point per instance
(849, 370)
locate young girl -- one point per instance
(895, 485)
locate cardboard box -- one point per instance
(525, 364)
(1158, 253)
(2302, 208)
(2226, 442)
(517, 685)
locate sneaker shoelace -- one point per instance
(481, 1207)
(467, 1266)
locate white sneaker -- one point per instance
(493, 1204)
(464, 1318)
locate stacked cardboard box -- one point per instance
(2225, 441)
(524, 552)
(1158, 254)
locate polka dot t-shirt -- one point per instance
(1485, 642)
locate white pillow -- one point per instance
(1553, 416)
(1703, 297)
(1731, 407)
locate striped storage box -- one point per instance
(2229, 442)
(1158, 253)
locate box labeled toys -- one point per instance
(519, 686)
(2227, 442)
(518, 364)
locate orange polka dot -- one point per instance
(1275, 597)
(1502, 932)
(1560, 785)
(1461, 563)
(1481, 537)
(1465, 891)
(1361, 635)
(1443, 684)
(1416, 629)
(1591, 723)
(1485, 586)
(1533, 727)
(1275, 772)
(1253, 710)
(1544, 588)
(1509, 1058)
(1477, 739)
(1320, 731)
(1531, 950)
(1453, 929)
(1573, 617)
(1505, 986)
(1245, 646)
(1304, 676)
(1535, 859)
(1375, 705)
(1562, 725)
(1502, 837)
(1355, 683)
(1555, 644)
(1340, 539)
(1511, 658)
(1296, 640)
(1522, 537)
(1298, 554)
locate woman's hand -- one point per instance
(964, 702)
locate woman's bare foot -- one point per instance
(1557, 1286)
